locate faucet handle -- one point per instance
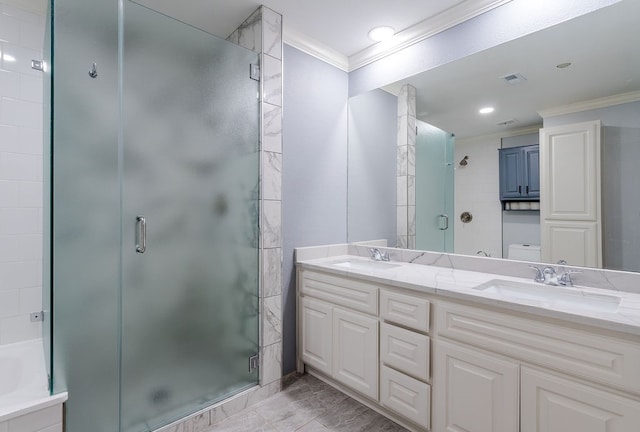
(539, 277)
(565, 277)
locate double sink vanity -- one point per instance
(436, 346)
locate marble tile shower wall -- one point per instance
(262, 33)
(406, 168)
(21, 40)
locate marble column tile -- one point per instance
(272, 80)
(242, 401)
(401, 163)
(271, 367)
(272, 128)
(401, 190)
(271, 33)
(272, 320)
(411, 190)
(271, 272)
(402, 125)
(411, 131)
(271, 224)
(411, 101)
(249, 34)
(234, 37)
(411, 242)
(403, 98)
(199, 423)
(411, 160)
(271, 176)
(402, 242)
(411, 220)
(401, 220)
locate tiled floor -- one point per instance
(306, 404)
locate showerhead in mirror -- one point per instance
(464, 161)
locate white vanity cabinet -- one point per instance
(405, 355)
(500, 372)
(339, 329)
(369, 338)
(474, 390)
(355, 352)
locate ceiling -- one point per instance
(338, 27)
(605, 60)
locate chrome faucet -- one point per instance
(379, 256)
(549, 276)
(481, 252)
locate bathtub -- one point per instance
(25, 403)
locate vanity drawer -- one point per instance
(586, 354)
(405, 350)
(346, 292)
(406, 310)
(406, 396)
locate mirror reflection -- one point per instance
(474, 183)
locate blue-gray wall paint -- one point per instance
(507, 22)
(620, 180)
(314, 169)
(372, 167)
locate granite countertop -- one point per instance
(459, 284)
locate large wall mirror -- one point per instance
(584, 69)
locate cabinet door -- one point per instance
(554, 404)
(531, 157)
(573, 241)
(355, 352)
(570, 177)
(316, 334)
(474, 391)
(511, 174)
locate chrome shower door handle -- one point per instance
(443, 218)
(141, 234)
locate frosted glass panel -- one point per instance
(434, 189)
(190, 140)
(85, 230)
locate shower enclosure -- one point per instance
(153, 172)
(434, 188)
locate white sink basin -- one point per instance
(552, 295)
(366, 265)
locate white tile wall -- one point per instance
(477, 191)
(21, 40)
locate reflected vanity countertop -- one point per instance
(464, 284)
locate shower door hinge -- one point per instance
(37, 65)
(254, 362)
(37, 316)
(254, 72)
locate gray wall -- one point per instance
(314, 169)
(620, 180)
(372, 167)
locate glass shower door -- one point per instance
(189, 224)
(434, 189)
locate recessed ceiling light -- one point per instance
(563, 65)
(378, 34)
(486, 110)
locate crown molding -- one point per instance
(449, 18)
(592, 104)
(425, 29)
(315, 49)
(498, 135)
